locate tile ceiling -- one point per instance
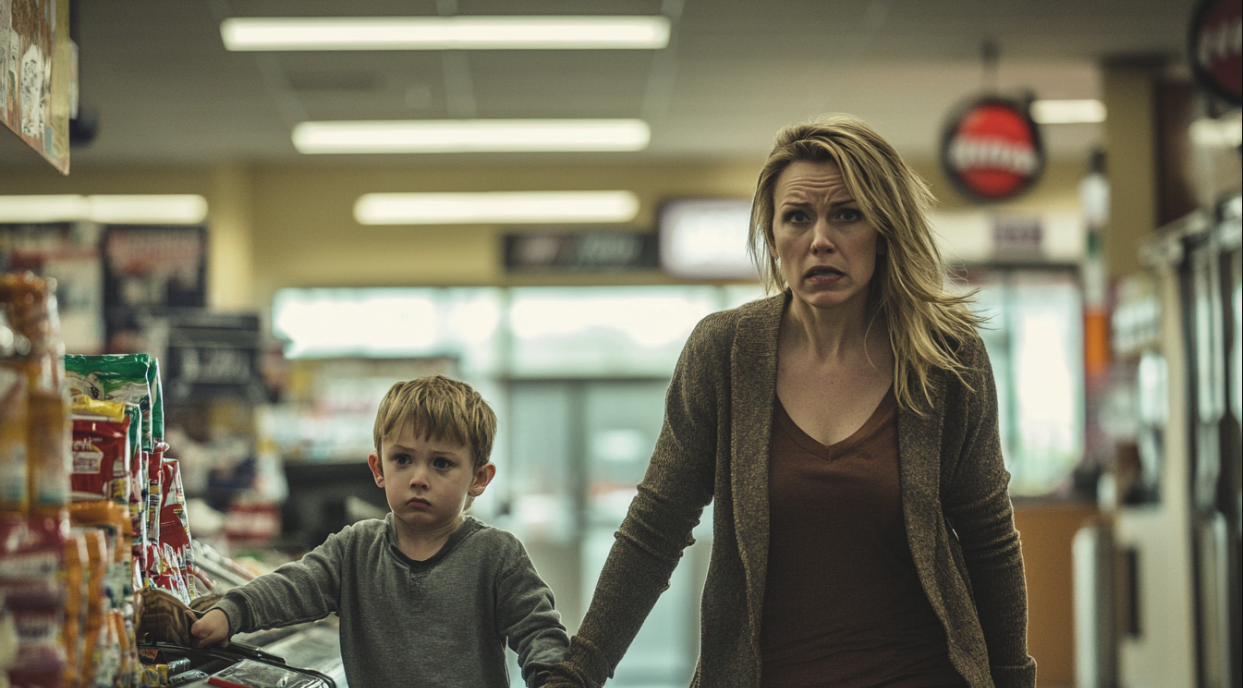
(165, 91)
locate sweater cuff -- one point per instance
(581, 666)
(235, 611)
(1022, 676)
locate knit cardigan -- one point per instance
(714, 446)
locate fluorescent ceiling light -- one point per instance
(1068, 111)
(523, 207)
(162, 209)
(1217, 133)
(170, 209)
(445, 33)
(43, 208)
(472, 136)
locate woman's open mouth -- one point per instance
(823, 274)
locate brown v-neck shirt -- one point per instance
(843, 606)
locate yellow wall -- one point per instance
(292, 225)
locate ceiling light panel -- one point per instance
(1068, 111)
(173, 209)
(445, 33)
(471, 136)
(522, 207)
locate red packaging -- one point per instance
(33, 581)
(32, 560)
(155, 494)
(100, 453)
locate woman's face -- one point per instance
(826, 247)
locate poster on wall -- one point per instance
(150, 271)
(67, 252)
(35, 54)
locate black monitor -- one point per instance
(324, 497)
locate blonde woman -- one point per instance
(846, 429)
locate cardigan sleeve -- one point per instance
(657, 528)
(976, 501)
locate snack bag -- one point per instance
(100, 458)
(155, 491)
(13, 420)
(75, 604)
(115, 377)
(48, 458)
(157, 401)
(139, 487)
(96, 613)
(174, 524)
(32, 582)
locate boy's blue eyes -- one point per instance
(438, 462)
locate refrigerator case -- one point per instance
(1212, 299)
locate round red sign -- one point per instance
(1215, 42)
(991, 149)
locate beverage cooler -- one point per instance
(1157, 578)
(1210, 276)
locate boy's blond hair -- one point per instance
(440, 408)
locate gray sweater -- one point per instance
(440, 622)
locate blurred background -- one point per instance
(290, 226)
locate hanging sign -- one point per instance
(991, 149)
(35, 68)
(1215, 42)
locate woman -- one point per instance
(846, 429)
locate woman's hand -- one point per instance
(212, 630)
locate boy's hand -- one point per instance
(212, 630)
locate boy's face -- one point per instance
(427, 481)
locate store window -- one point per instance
(601, 332)
(578, 377)
(1034, 338)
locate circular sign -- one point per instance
(1215, 44)
(991, 149)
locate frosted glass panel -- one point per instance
(462, 323)
(603, 331)
(1047, 350)
(542, 483)
(1034, 338)
(1236, 349)
(622, 421)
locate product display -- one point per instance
(94, 526)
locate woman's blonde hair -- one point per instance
(925, 320)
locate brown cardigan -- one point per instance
(714, 447)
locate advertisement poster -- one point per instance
(150, 271)
(68, 252)
(34, 77)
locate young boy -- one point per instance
(429, 596)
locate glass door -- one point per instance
(579, 448)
